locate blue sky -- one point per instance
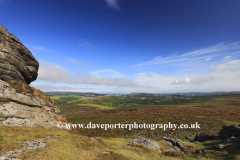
(125, 46)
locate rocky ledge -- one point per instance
(20, 108)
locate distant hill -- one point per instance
(89, 94)
(183, 95)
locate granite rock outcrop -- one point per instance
(20, 104)
(16, 60)
(25, 109)
(229, 131)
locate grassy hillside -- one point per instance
(72, 146)
(210, 112)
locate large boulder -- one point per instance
(16, 61)
(148, 143)
(201, 137)
(229, 131)
(21, 108)
(20, 104)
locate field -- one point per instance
(210, 112)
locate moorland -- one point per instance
(211, 111)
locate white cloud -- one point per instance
(55, 73)
(212, 49)
(113, 4)
(227, 57)
(107, 73)
(228, 68)
(208, 59)
(74, 61)
(193, 80)
(200, 54)
(46, 87)
(234, 62)
(222, 77)
(44, 49)
(216, 81)
(71, 60)
(152, 79)
(86, 78)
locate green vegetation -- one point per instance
(71, 146)
(81, 99)
(210, 112)
(67, 99)
(2, 101)
(63, 99)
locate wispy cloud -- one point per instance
(234, 62)
(107, 73)
(212, 49)
(44, 49)
(208, 59)
(227, 57)
(46, 87)
(222, 78)
(55, 73)
(233, 67)
(85, 43)
(206, 54)
(74, 61)
(193, 80)
(113, 4)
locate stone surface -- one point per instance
(150, 144)
(168, 142)
(199, 151)
(173, 144)
(204, 151)
(169, 147)
(25, 109)
(229, 131)
(219, 146)
(26, 147)
(173, 141)
(16, 61)
(201, 137)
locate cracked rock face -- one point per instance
(25, 109)
(16, 61)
